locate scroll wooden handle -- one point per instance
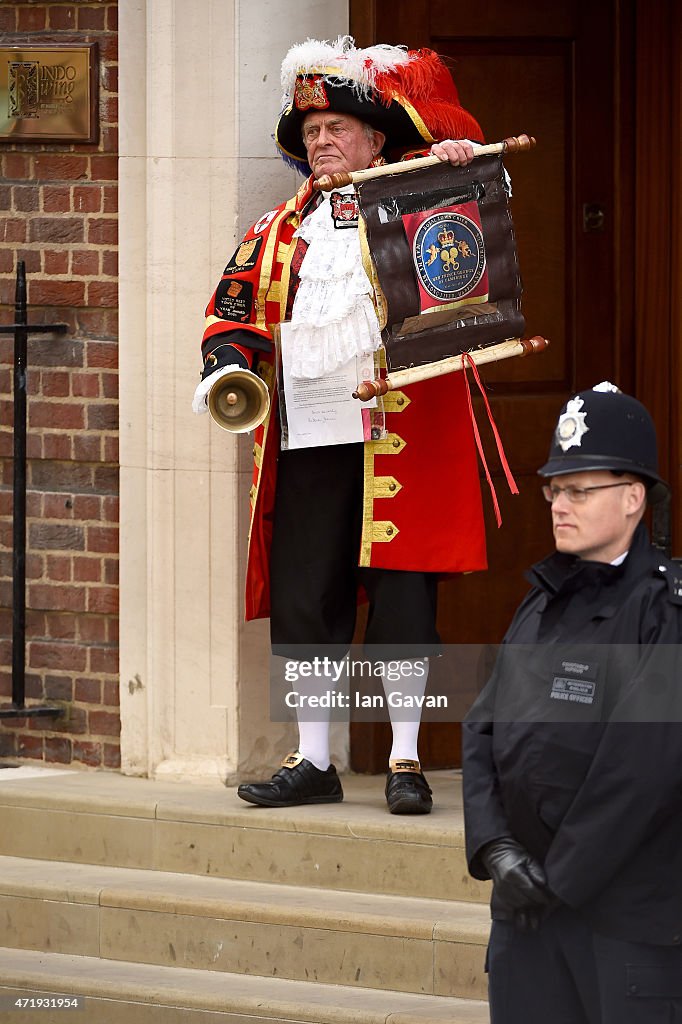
(533, 345)
(372, 388)
(514, 144)
(493, 353)
(518, 143)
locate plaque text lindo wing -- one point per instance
(48, 93)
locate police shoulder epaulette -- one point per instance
(672, 573)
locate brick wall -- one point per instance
(59, 214)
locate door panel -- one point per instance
(541, 183)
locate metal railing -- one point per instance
(21, 329)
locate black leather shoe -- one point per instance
(407, 791)
(298, 781)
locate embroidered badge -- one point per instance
(575, 682)
(310, 92)
(573, 690)
(245, 256)
(345, 209)
(266, 219)
(571, 426)
(448, 253)
(233, 300)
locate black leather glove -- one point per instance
(518, 878)
(530, 918)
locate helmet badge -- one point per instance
(571, 426)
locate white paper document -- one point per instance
(322, 410)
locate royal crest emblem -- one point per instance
(571, 426)
(345, 210)
(449, 255)
(309, 91)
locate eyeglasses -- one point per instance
(577, 495)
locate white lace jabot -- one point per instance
(333, 318)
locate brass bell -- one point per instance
(239, 401)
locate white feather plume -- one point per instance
(355, 67)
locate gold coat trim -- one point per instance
(392, 444)
(255, 487)
(286, 276)
(268, 260)
(384, 531)
(367, 506)
(386, 486)
(266, 372)
(274, 292)
(396, 401)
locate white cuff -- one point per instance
(200, 400)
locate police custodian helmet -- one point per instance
(605, 429)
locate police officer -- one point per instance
(573, 752)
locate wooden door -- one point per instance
(562, 72)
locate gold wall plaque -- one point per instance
(48, 93)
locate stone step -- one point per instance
(121, 992)
(423, 946)
(108, 819)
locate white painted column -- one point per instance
(199, 94)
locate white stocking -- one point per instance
(406, 733)
(313, 742)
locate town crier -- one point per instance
(380, 513)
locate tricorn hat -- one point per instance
(606, 429)
(409, 95)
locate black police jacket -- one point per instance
(574, 747)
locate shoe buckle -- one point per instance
(292, 759)
(404, 765)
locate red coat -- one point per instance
(422, 501)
